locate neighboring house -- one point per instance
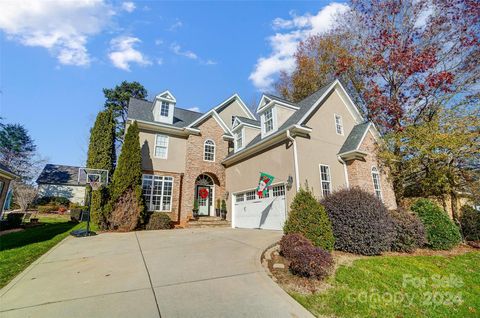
(61, 181)
(6, 177)
(322, 141)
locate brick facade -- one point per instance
(196, 165)
(360, 172)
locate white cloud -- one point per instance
(160, 61)
(62, 27)
(122, 53)
(128, 6)
(177, 49)
(284, 42)
(177, 25)
(194, 109)
(158, 42)
(210, 62)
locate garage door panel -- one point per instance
(268, 213)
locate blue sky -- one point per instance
(56, 56)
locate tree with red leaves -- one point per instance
(403, 61)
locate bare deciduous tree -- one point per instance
(24, 194)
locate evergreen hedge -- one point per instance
(470, 222)
(308, 217)
(361, 223)
(442, 233)
(127, 179)
(101, 155)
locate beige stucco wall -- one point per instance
(175, 161)
(323, 145)
(234, 109)
(283, 114)
(250, 133)
(73, 193)
(244, 175)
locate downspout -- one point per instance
(345, 171)
(295, 159)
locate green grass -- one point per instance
(18, 250)
(401, 286)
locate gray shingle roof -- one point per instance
(354, 138)
(143, 110)
(280, 99)
(6, 169)
(59, 174)
(304, 106)
(248, 121)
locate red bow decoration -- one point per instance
(203, 193)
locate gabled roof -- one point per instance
(59, 174)
(141, 109)
(355, 138)
(7, 171)
(306, 108)
(249, 121)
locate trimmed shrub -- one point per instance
(75, 214)
(159, 221)
(14, 219)
(442, 233)
(361, 223)
(290, 242)
(309, 218)
(48, 208)
(470, 222)
(52, 200)
(311, 261)
(126, 211)
(409, 231)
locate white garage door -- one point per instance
(268, 213)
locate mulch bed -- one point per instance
(293, 283)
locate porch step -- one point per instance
(208, 221)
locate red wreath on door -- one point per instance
(203, 192)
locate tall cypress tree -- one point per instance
(101, 155)
(126, 202)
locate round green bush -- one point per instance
(361, 223)
(308, 217)
(442, 233)
(470, 223)
(409, 231)
(159, 221)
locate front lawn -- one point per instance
(18, 250)
(401, 286)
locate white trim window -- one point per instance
(251, 195)
(239, 140)
(209, 150)
(157, 191)
(278, 190)
(161, 146)
(164, 109)
(338, 124)
(376, 183)
(268, 121)
(325, 180)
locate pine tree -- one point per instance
(126, 202)
(101, 155)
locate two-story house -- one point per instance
(322, 141)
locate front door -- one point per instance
(203, 197)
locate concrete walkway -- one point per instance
(177, 273)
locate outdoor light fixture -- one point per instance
(289, 182)
(226, 195)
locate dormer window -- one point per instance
(164, 109)
(239, 140)
(268, 121)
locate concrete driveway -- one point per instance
(177, 273)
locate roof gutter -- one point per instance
(275, 137)
(295, 159)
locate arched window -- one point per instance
(376, 183)
(209, 150)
